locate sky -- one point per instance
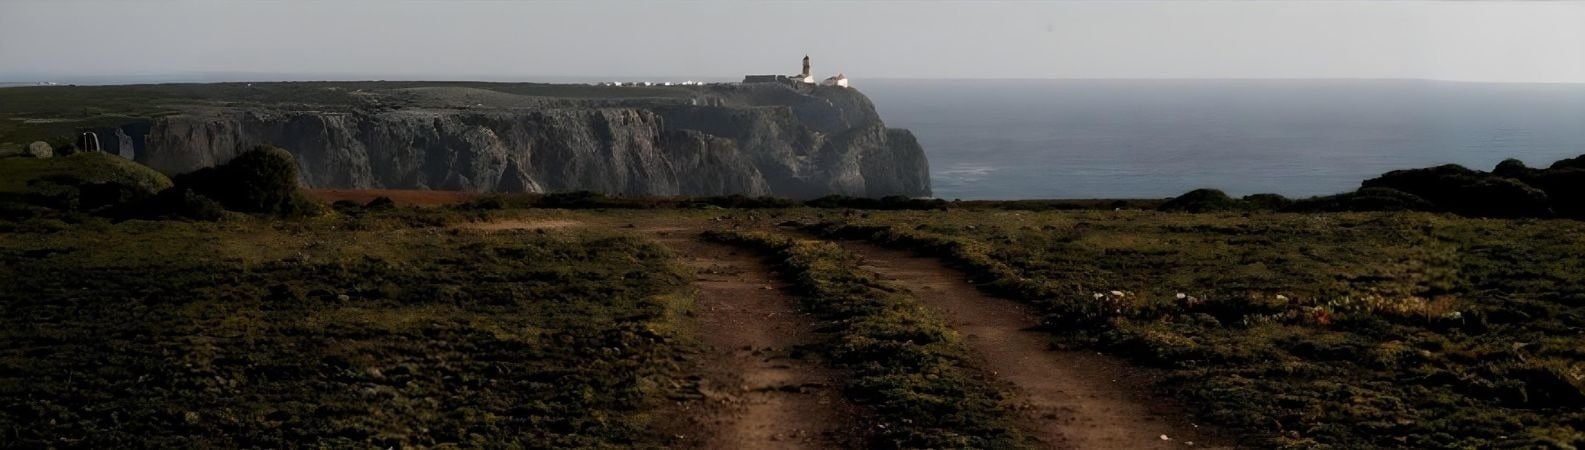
(523, 40)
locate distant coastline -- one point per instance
(1157, 138)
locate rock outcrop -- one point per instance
(769, 139)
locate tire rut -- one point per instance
(1070, 399)
(758, 392)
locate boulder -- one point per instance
(40, 149)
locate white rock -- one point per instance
(40, 149)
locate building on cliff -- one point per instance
(804, 77)
(838, 80)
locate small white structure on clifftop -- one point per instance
(839, 80)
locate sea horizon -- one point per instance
(1077, 138)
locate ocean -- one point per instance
(1013, 139)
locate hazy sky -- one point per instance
(1473, 41)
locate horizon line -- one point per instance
(268, 77)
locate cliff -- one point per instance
(758, 139)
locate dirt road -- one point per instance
(764, 394)
(758, 391)
(1072, 399)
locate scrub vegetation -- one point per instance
(253, 334)
(1385, 330)
(251, 317)
(223, 308)
(55, 114)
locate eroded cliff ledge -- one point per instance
(756, 139)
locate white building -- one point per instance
(839, 80)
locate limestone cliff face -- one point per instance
(730, 139)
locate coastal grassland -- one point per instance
(56, 114)
(906, 365)
(16, 173)
(1390, 330)
(337, 332)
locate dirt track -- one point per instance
(757, 390)
(1071, 399)
(766, 397)
(757, 394)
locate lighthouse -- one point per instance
(805, 76)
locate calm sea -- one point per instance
(1009, 139)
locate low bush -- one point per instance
(1467, 192)
(1266, 202)
(1365, 199)
(893, 202)
(1201, 200)
(737, 201)
(259, 181)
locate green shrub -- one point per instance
(891, 202)
(381, 203)
(1512, 168)
(1467, 192)
(1201, 200)
(179, 203)
(259, 181)
(1365, 199)
(739, 201)
(1266, 202)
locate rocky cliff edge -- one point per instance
(754, 139)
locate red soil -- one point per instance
(400, 196)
